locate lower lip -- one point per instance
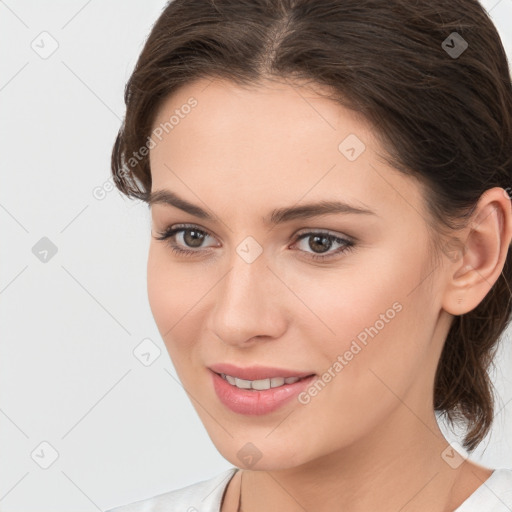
(253, 402)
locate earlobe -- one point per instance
(487, 240)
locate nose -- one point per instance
(249, 303)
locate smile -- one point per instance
(262, 384)
(260, 396)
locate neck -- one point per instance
(391, 469)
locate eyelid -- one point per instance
(303, 231)
(324, 231)
(177, 228)
(347, 243)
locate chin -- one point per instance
(262, 455)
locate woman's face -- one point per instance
(367, 320)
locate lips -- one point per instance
(257, 372)
(258, 402)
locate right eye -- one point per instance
(189, 234)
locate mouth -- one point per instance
(256, 373)
(258, 390)
(262, 384)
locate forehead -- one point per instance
(296, 112)
(280, 141)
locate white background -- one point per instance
(68, 376)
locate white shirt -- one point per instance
(494, 495)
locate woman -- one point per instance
(329, 264)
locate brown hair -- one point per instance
(443, 112)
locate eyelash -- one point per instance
(170, 232)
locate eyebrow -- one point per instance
(277, 216)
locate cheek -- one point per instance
(175, 298)
(398, 349)
(168, 294)
(157, 285)
(375, 317)
(342, 303)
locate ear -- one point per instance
(482, 254)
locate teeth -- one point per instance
(244, 384)
(259, 385)
(275, 382)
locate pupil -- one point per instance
(321, 238)
(196, 240)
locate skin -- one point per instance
(369, 440)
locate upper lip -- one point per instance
(256, 372)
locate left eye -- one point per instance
(319, 238)
(193, 237)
